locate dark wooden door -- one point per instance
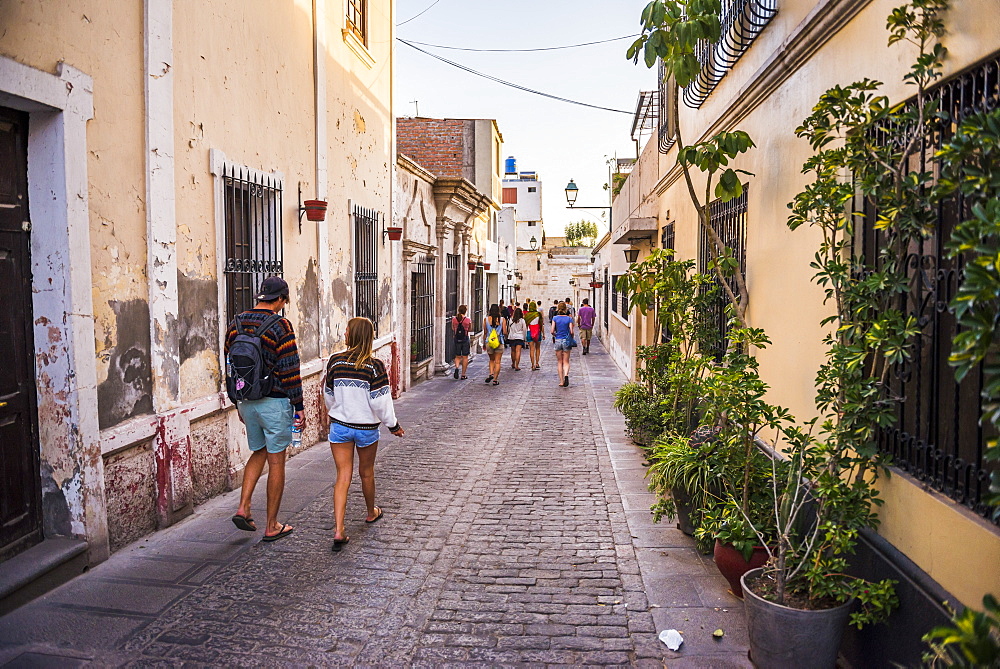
(20, 494)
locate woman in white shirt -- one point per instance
(517, 330)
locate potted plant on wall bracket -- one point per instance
(472, 265)
(394, 233)
(315, 210)
(486, 265)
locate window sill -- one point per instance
(358, 47)
(624, 322)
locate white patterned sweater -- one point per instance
(358, 398)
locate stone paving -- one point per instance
(517, 532)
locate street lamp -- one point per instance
(631, 255)
(572, 191)
(534, 244)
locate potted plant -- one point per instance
(486, 265)
(395, 234)
(472, 265)
(315, 210)
(596, 284)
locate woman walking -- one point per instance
(533, 319)
(460, 327)
(494, 334)
(358, 399)
(562, 333)
(516, 333)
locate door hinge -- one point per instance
(26, 226)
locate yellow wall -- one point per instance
(957, 549)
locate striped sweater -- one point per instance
(281, 353)
(358, 398)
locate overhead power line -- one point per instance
(544, 48)
(508, 83)
(418, 15)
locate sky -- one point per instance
(557, 140)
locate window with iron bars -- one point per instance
(667, 103)
(619, 301)
(452, 264)
(667, 238)
(729, 220)
(742, 21)
(254, 248)
(422, 312)
(938, 437)
(477, 299)
(367, 229)
(357, 19)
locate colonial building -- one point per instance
(767, 71)
(555, 271)
(156, 161)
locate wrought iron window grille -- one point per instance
(453, 263)
(937, 438)
(478, 281)
(422, 311)
(667, 100)
(729, 220)
(254, 244)
(368, 225)
(742, 21)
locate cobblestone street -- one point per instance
(517, 531)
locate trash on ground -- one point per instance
(672, 638)
(718, 634)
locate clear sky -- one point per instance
(560, 141)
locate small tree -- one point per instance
(581, 233)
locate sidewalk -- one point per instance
(517, 531)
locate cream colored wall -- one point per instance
(783, 299)
(104, 40)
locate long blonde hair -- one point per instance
(360, 335)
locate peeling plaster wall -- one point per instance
(131, 474)
(209, 458)
(198, 330)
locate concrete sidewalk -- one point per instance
(517, 531)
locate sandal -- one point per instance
(338, 544)
(496, 383)
(464, 377)
(244, 523)
(378, 516)
(285, 531)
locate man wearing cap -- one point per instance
(269, 420)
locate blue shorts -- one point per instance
(268, 422)
(562, 345)
(341, 434)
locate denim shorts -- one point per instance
(268, 422)
(462, 348)
(341, 434)
(562, 345)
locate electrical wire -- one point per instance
(418, 15)
(544, 48)
(507, 83)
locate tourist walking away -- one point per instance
(585, 319)
(570, 309)
(494, 334)
(461, 325)
(262, 380)
(358, 399)
(504, 311)
(533, 319)
(562, 333)
(517, 331)
(553, 312)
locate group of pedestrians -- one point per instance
(263, 381)
(517, 326)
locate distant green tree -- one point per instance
(581, 233)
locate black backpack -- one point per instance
(460, 332)
(247, 375)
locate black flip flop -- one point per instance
(378, 516)
(285, 531)
(244, 523)
(338, 544)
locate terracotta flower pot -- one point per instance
(732, 565)
(486, 265)
(596, 284)
(315, 209)
(472, 264)
(395, 234)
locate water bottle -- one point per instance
(296, 434)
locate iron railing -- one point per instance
(422, 311)
(742, 21)
(452, 264)
(938, 437)
(254, 247)
(367, 229)
(667, 98)
(729, 220)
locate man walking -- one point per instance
(586, 322)
(570, 309)
(553, 311)
(266, 396)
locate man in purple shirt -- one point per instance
(585, 319)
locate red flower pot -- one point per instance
(486, 265)
(315, 209)
(395, 234)
(472, 264)
(732, 565)
(596, 284)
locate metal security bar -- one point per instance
(667, 237)
(452, 264)
(729, 220)
(254, 248)
(667, 98)
(367, 228)
(422, 312)
(357, 19)
(477, 299)
(937, 437)
(742, 21)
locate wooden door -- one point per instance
(20, 489)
